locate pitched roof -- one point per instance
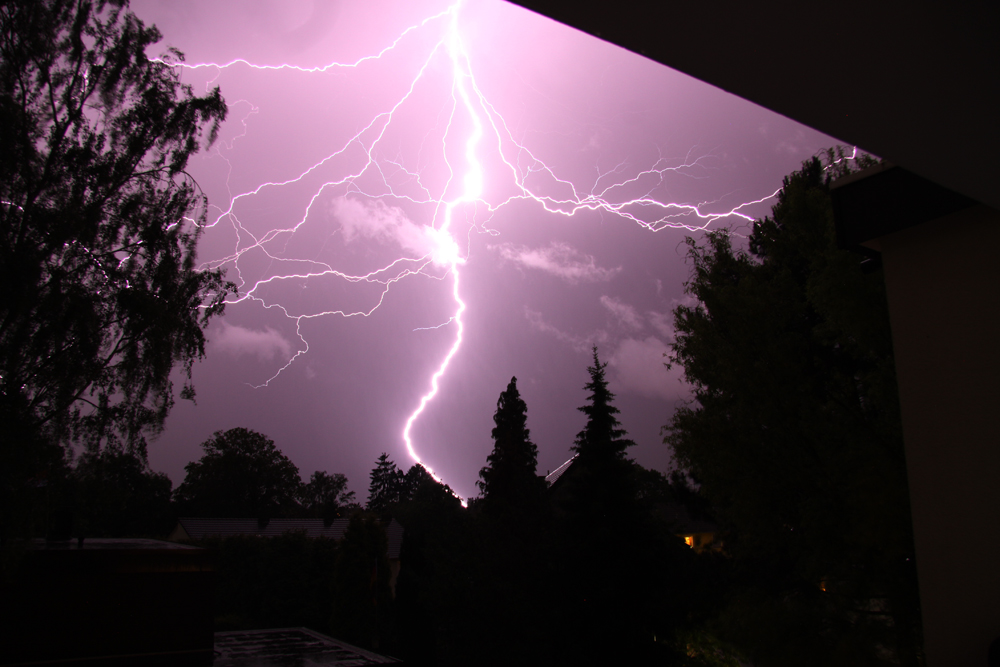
(554, 476)
(198, 529)
(680, 521)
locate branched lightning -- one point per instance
(359, 167)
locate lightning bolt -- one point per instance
(517, 174)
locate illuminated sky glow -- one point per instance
(420, 200)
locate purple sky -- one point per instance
(564, 117)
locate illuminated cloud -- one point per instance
(377, 221)
(623, 312)
(265, 344)
(559, 259)
(578, 343)
(639, 369)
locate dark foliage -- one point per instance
(99, 295)
(386, 485)
(601, 487)
(625, 583)
(419, 488)
(795, 437)
(438, 603)
(603, 439)
(509, 481)
(362, 602)
(326, 496)
(274, 582)
(242, 474)
(119, 496)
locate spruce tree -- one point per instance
(509, 479)
(386, 484)
(603, 438)
(623, 576)
(600, 485)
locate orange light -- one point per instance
(689, 540)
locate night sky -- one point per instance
(343, 317)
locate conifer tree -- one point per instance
(509, 478)
(600, 484)
(386, 484)
(603, 438)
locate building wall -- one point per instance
(943, 285)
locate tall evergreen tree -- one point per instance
(603, 439)
(509, 479)
(386, 484)
(601, 484)
(624, 578)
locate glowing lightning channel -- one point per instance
(440, 255)
(473, 182)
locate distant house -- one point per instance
(556, 474)
(696, 533)
(193, 530)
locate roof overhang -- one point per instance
(916, 83)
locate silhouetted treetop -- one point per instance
(795, 436)
(99, 222)
(386, 484)
(509, 477)
(242, 474)
(602, 437)
(326, 495)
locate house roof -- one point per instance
(680, 521)
(554, 476)
(949, 136)
(199, 529)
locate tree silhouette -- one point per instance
(99, 294)
(386, 485)
(362, 599)
(119, 496)
(603, 439)
(242, 474)
(600, 483)
(795, 435)
(326, 495)
(623, 577)
(509, 480)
